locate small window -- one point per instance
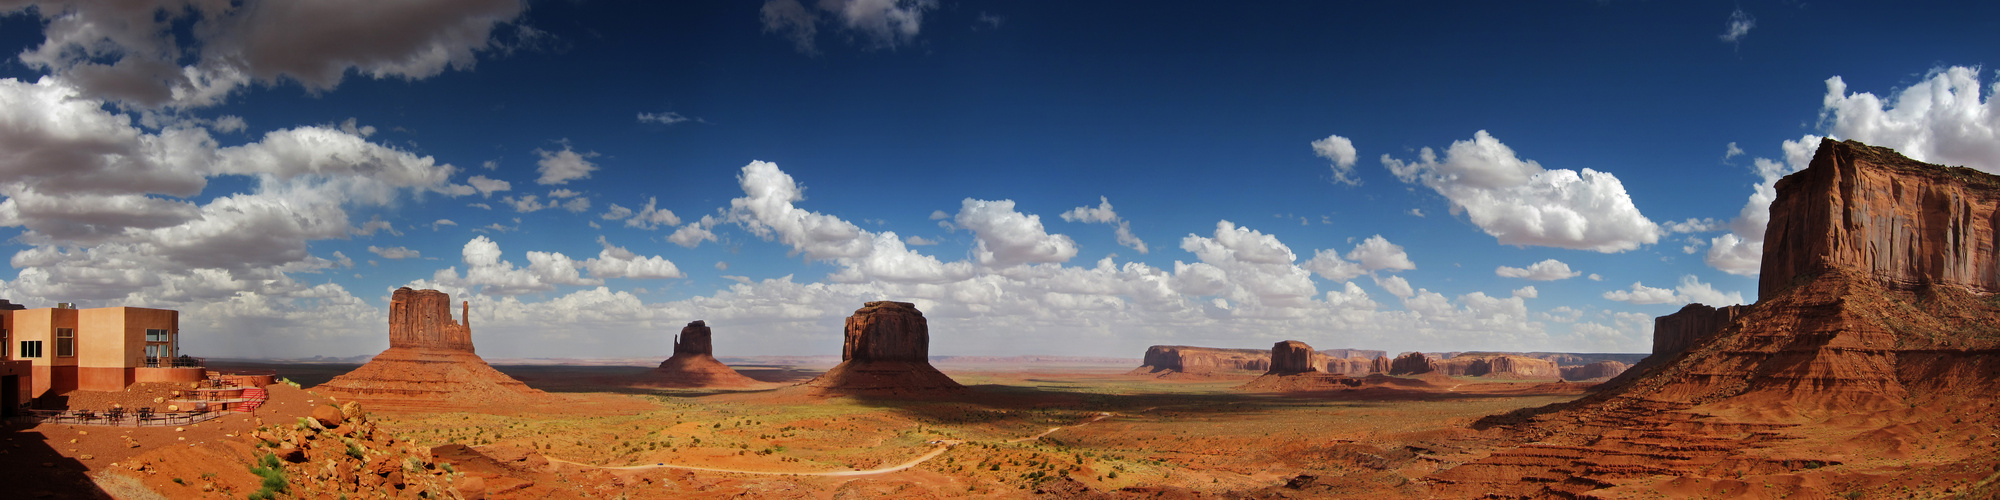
(65, 342)
(31, 348)
(4, 343)
(156, 335)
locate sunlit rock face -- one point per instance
(887, 350)
(1872, 211)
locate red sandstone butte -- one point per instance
(693, 364)
(1290, 357)
(430, 363)
(887, 349)
(1874, 319)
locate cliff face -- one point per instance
(694, 340)
(1202, 360)
(1292, 356)
(1412, 363)
(1502, 366)
(1872, 211)
(1874, 329)
(887, 350)
(887, 331)
(1598, 370)
(1675, 332)
(422, 319)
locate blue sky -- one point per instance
(274, 170)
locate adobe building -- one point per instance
(101, 349)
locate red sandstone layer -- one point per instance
(408, 379)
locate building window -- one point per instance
(31, 348)
(156, 335)
(65, 342)
(4, 343)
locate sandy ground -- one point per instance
(1017, 432)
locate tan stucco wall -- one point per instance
(41, 324)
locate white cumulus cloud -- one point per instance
(1521, 203)
(1547, 270)
(1341, 151)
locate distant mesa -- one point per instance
(1172, 361)
(430, 362)
(1412, 363)
(886, 351)
(1295, 367)
(1602, 370)
(693, 364)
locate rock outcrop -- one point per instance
(1497, 366)
(887, 350)
(1292, 356)
(1874, 320)
(1868, 210)
(693, 364)
(1353, 353)
(1381, 365)
(1413, 363)
(1166, 360)
(429, 365)
(1674, 333)
(1355, 366)
(421, 319)
(1594, 371)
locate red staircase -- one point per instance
(256, 396)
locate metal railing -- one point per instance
(174, 362)
(144, 417)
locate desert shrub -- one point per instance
(355, 451)
(273, 472)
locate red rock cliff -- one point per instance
(422, 319)
(1190, 359)
(694, 339)
(1869, 209)
(887, 331)
(1675, 332)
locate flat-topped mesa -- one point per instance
(421, 319)
(887, 331)
(694, 340)
(887, 349)
(1292, 357)
(1871, 210)
(1167, 360)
